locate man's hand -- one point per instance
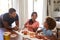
(16, 28)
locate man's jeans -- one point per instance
(1, 29)
(0, 21)
(1, 33)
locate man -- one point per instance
(7, 19)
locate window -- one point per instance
(5, 5)
(37, 6)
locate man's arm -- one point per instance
(6, 25)
(17, 23)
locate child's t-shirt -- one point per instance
(34, 25)
(46, 32)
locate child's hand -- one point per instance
(39, 37)
(38, 31)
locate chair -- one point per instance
(58, 33)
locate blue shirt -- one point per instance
(47, 32)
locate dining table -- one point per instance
(27, 37)
(19, 34)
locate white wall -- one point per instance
(23, 11)
(30, 8)
(44, 9)
(15, 5)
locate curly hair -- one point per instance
(51, 23)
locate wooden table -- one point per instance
(26, 36)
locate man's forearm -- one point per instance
(17, 25)
(9, 28)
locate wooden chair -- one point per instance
(58, 33)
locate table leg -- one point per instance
(57, 33)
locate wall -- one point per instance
(44, 10)
(23, 11)
(15, 5)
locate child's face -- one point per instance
(34, 16)
(45, 25)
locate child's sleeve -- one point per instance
(49, 33)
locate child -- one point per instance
(49, 24)
(32, 24)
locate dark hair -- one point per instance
(51, 23)
(31, 21)
(34, 13)
(11, 10)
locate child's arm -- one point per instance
(53, 37)
(41, 37)
(38, 31)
